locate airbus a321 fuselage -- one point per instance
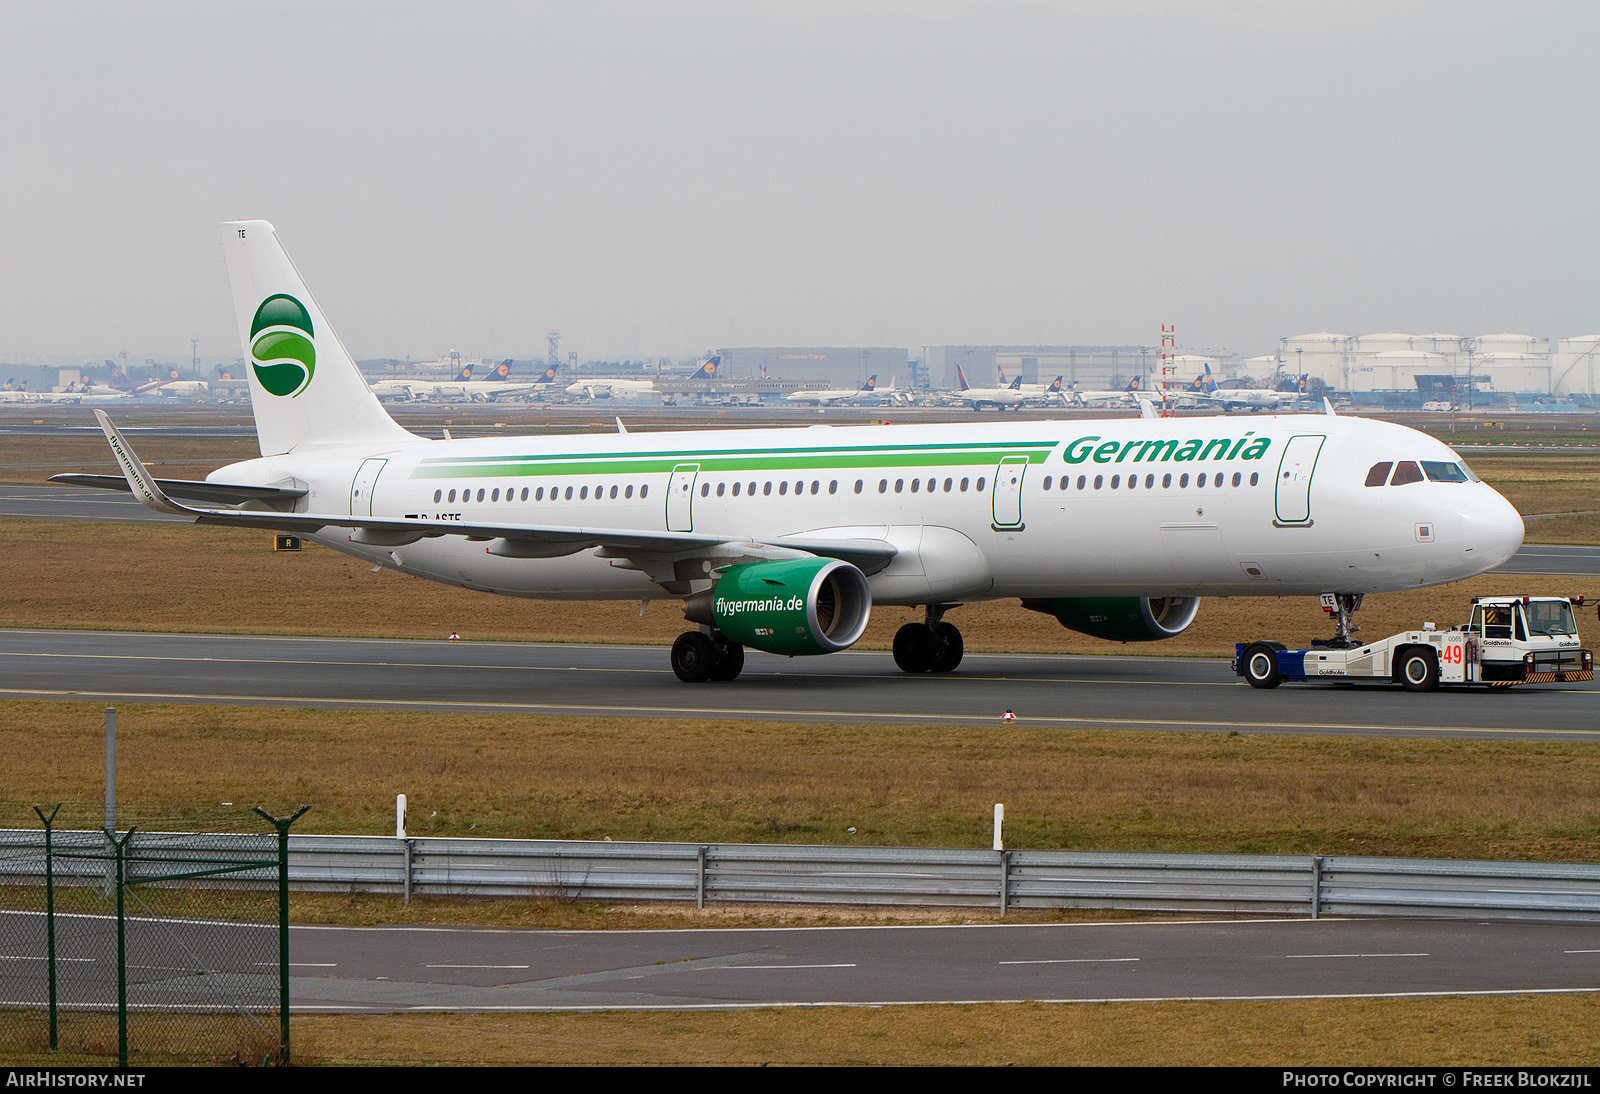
(784, 539)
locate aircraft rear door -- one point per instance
(1293, 499)
(361, 488)
(680, 498)
(1008, 476)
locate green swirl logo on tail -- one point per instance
(283, 357)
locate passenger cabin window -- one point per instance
(1379, 474)
(1405, 473)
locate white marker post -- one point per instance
(999, 823)
(405, 844)
(111, 768)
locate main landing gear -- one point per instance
(698, 656)
(933, 646)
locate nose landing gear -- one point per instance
(931, 646)
(1341, 606)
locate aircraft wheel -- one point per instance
(1419, 671)
(915, 647)
(731, 664)
(950, 647)
(694, 657)
(1261, 666)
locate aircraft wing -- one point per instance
(190, 489)
(512, 540)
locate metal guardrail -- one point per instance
(781, 873)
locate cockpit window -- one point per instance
(1406, 472)
(1379, 474)
(1472, 476)
(1439, 471)
(1550, 618)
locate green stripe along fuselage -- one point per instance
(855, 457)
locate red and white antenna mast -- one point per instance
(1169, 368)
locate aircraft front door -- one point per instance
(361, 488)
(1007, 494)
(680, 498)
(1294, 480)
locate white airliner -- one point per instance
(784, 539)
(30, 397)
(1128, 396)
(1253, 398)
(614, 387)
(829, 396)
(998, 397)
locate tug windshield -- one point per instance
(1550, 618)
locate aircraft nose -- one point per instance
(1492, 529)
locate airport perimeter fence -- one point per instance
(143, 947)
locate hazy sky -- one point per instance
(667, 177)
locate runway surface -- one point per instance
(393, 969)
(35, 502)
(1066, 692)
(402, 968)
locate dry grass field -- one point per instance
(1547, 1031)
(727, 781)
(1511, 1031)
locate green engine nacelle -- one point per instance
(1121, 618)
(788, 606)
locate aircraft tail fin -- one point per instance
(1054, 388)
(708, 369)
(1016, 385)
(465, 375)
(961, 380)
(871, 384)
(502, 371)
(304, 385)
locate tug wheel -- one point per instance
(1261, 666)
(1419, 671)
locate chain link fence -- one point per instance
(143, 948)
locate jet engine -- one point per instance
(1121, 618)
(787, 606)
